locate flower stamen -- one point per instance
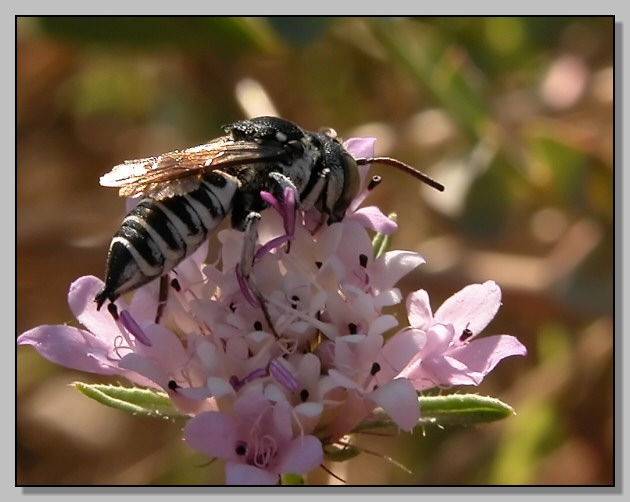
(466, 334)
(241, 448)
(134, 328)
(245, 288)
(283, 376)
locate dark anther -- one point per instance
(257, 325)
(241, 448)
(113, 310)
(374, 182)
(363, 259)
(172, 384)
(235, 382)
(318, 264)
(294, 301)
(375, 369)
(352, 328)
(303, 395)
(466, 334)
(232, 307)
(175, 285)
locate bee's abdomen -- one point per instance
(158, 234)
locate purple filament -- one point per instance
(134, 328)
(283, 376)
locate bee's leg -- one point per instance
(162, 298)
(243, 270)
(319, 188)
(248, 253)
(319, 192)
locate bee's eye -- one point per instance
(351, 182)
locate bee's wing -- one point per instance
(179, 172)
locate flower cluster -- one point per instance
(272, 367)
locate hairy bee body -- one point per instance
(186, 194)
(156, 235)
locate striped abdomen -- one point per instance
(158, 234)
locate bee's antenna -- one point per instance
(403, 167)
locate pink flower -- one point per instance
(257, 441)
(293, 355)
(147, 354)
(355, 369)
(451, 353)
(97, 349)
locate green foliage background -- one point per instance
(513, 114)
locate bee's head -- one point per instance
(341, 171)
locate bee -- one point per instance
(185, 194)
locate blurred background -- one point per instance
(514, 115)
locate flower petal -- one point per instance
(483, 354)
(71, 347)
(301, 455)
(399, 399)
(392, 266)
(398, 352)
(237, 474)
(343, 380)
(81, 302)
(354, 242)
(439, 371)
(211, 433)
(439, 337)
(382, 324)
(419, 310)
(464, 365)
(373, 218)
(146, 367)
(360, 147)
(473, 307)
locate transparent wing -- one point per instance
(180, 171)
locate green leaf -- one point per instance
(135, 400)
(462, 409)
(292, 479)
(454, 409)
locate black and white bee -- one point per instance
(184, 195)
